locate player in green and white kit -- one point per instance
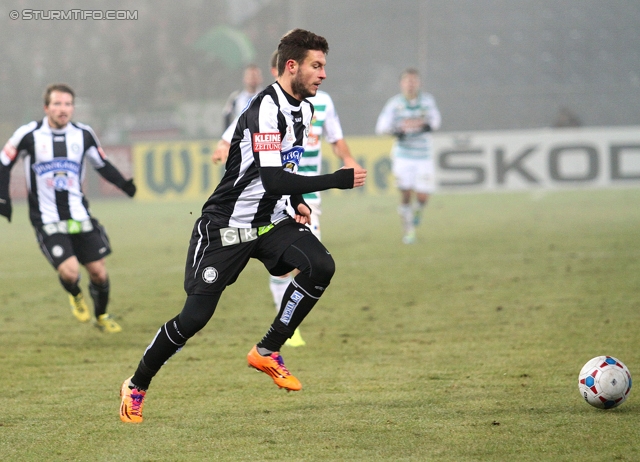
(410, 116)
(324, 124)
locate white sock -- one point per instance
(406, 214)
(278, 286)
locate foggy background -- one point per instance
(490, 64)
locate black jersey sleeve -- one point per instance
(112, 175)
(296, 200)
(280, 182)
(21, 140)
(5, 199)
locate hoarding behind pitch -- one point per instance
(538, 159)
(464, 161)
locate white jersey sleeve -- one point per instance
(434, 119)
(332, 130)
(228, 133)
(94, 151)
(385, 123)
(10, 151)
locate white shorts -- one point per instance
(316, 211)
(414, 174)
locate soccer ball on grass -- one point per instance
(604, 382)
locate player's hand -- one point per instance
(303, 215)
(399, 134)
(129, 188)
(359, 177)
(5, 208)
(221, 152)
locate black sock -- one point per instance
(299, 298)
(166, 343)
(72, 287)
(172, 336)
(142, 378)
(100, 295)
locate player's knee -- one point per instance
(69, 270)
(322, 268)
(99, 278)
(196, 313)
(192, 322)
(97, 271)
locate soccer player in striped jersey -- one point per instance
(410, 116)
(54, 152)
(246, 218)
(325, 123)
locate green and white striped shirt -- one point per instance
(325, 123)
(398, 110)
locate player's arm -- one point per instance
(266, 146)
(385, 122)
(221, 152)
(302, 209)
(107, 170)
(434, 119)
(222, 148)
(227, 111)
(8, 158)
(98, 159)
(113, 175)
(278, 181)
(5, 199)
(341, 149)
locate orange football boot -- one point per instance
(273, 365)
(131, 404)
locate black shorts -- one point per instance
(85, 246)
(216, 257)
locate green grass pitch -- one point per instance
(465, 346)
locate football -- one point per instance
(604, 382)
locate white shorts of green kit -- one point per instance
(414, 174)
(316, 211)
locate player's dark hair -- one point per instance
(410, 71)
(296, 44)
(61, 87)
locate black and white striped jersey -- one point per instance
(54, 163)
(271, 132)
